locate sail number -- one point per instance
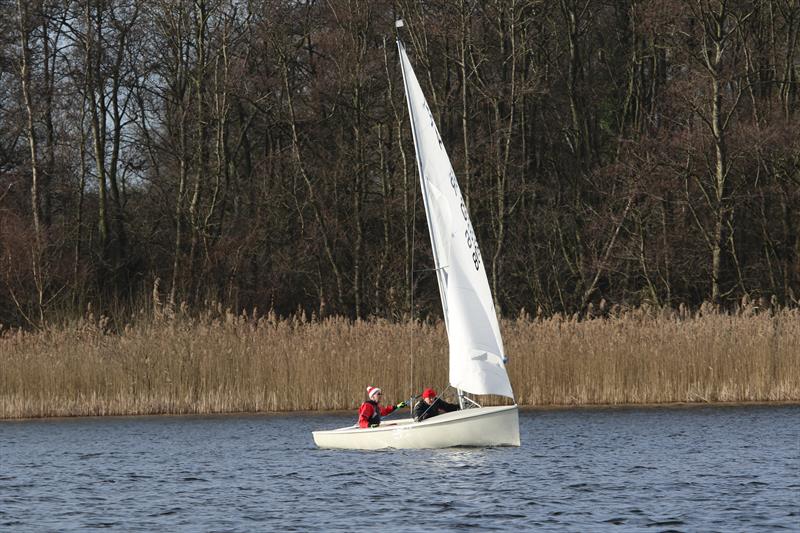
(469, 233)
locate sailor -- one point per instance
(370, 412)
(431, 406)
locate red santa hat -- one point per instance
(372, 391)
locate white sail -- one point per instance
(477, 358)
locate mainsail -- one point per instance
(477, 358)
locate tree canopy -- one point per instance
(258, 153)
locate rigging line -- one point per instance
(411, 288)
(435, 269)
(411, 269)
(403, 60)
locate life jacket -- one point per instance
(375, 419)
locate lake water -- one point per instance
(621, 469)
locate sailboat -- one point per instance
(477, 359)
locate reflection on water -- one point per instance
(450, 459)
(660, 469)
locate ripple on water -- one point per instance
(579, 470)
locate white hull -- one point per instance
(485, 426)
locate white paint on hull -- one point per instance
(485, 426)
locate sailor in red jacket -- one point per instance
(370, 412)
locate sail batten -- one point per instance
(477, 357)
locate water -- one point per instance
(656, 469)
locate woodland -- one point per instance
(257, 154)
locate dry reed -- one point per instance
(225, 363)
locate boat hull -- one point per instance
(485, 426)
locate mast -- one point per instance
(441, 281)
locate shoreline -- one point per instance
(537, 408)
(279, 366)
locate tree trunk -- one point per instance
(93, 69)
(300, 168)
(25, 78)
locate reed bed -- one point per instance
(220, 362)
